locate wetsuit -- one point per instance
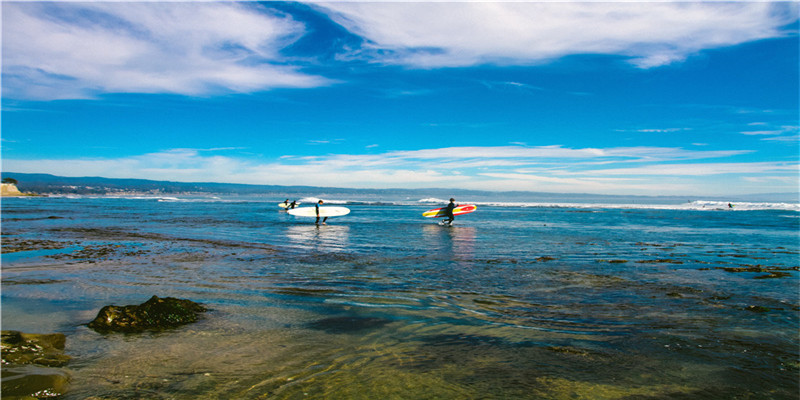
(449, 212)
(323, 219)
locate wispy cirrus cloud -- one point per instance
(784, 133)
(438, 34)
(699, 169)
(67, 50)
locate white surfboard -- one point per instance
(323, 211)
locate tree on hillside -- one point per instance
(10, 180)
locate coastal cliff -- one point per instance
(9, 189)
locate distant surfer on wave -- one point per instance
(449, 212)
(323, 219)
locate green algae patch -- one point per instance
(559, 388)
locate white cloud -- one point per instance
(547, 168)
(751, 133)
(63, 50)
(792, 138)
(78, 50)
(650, 34)
(701, 169)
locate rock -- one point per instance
(32, 382)
(23, 356)
(29, 348)
(154, 315)
(347, 324)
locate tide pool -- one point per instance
(522, 300)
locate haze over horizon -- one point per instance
(581, 97)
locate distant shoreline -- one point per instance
(58, 185)
(11, 190)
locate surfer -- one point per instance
(293, 205)
(286, 203)
(449, 212)
(323, 219)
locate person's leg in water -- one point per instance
(449, 220)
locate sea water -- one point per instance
(516, 300)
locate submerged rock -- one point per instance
(26, 365)
(347, 324)
(32, 382)
(30, 348)
(154, 315)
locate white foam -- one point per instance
(699, 205)
(433, 200)
(315, 200)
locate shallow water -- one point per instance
(511, 302)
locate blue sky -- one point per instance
(582, 97)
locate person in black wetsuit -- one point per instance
(449, 212)
(323, 219)
(293, 205)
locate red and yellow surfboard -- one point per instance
(440, 212)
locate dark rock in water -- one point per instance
(154, 314)
(759, 309)
(32, 382)
(347, 324)
(29, 348)
(23, 356)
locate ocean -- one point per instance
(533, 300)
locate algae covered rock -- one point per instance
(32, 382)
(153, 315)
(30, 348)
(26, 365)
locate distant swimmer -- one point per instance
(730, 205)
(323, 219)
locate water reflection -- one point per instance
(457, 241)
(319, 237)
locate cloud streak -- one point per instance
(74, 50)
(433, 34)
(81, 50)
(547, 168)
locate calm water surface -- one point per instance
(511, 302)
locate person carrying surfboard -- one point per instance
(323, 219)
(449, 211)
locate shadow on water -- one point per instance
(348, 324)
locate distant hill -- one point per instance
(46, 183)
(51, 184)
